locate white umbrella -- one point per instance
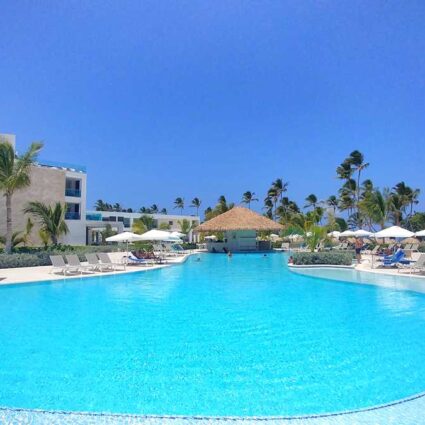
(212, 237)
(125, 237)
(159, 235)
(294, 237)
(178, 234)
(334, 234)
(362, 233)
(347, 234)
(394, 232)
(420, 234)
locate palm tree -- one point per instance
(185, 226)
(51, 219)
(163, 211)
(357, 163)
(249, 197)
(375, 206)
(14, 175)
(17, 239)
(196, 203)
(154, 209)
(311, 201)
(179, 203)
(100, 205)
(273, 195)
(280, 187)
(117, 207)
(139, 227)
(268, 206)
(332, 202)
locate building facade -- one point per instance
(53, 182)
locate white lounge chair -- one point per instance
(417, 266)
(74, 261)
(93, 260)
(59, 264)
(107, 262)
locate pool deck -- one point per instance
(43, 273)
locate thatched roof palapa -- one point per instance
(239, 218)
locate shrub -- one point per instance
(188, 245)
(8, 261)
(331, 258)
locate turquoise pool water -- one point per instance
(240, 336)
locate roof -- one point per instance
(239, 218)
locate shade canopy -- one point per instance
(348, 234)
(394, 232)
(334, 234)
(159, 235)
(361, 233)
(178, 234)
(239, 218)
(125, 237)
(420, 233)
(211, 237)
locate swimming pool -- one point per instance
(238, 337)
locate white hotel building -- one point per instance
(53, 182)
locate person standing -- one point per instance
(359, 246)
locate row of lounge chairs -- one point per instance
(95, 262)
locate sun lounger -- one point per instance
(396, 259)
(74, 261)
(59, 264)
(93, 260)
(415, 266)
(107, 262)
(134, 260)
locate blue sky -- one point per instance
(161, 99)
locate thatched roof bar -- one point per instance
(239, 218)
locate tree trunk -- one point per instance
(54, 239)
(8, 247)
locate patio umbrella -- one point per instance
(126, 237)
(211, 238)
(347, 234)
(334, 234)
(420, 233)
(159, 235)
(394, 232)
(178, 234)
(362, 233)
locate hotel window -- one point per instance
(170, 223)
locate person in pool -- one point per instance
(291, 260)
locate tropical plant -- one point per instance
(17, 239)
(163, 211)
(332, 202)
(44, 237)
(196, 203)
(185, 226)
(107, 232)
(50, 218)
(249, 197)
(148, 222)
(27, 233)
(311, 201)
(14, 175)
(164, 226)
(139, 227)
(179, 204)
(154, 209)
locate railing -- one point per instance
(64, 165)
(72, 216)
(73, 192)
(94, 217)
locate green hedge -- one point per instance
(331, 258)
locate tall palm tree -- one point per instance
(311, 201)
(273, 195)
(196, 203)
(358, 164)
(332, 202)
(163, 211)
(249, 197)
(50, 218)
(154, 209)
(280, 187)
(14, 175)
(179, 203)
(185, 226)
